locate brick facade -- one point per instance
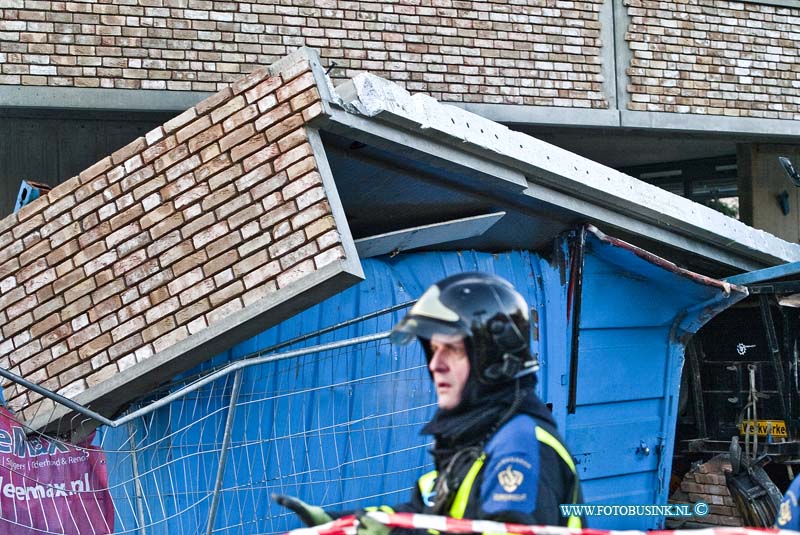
(734, 59)
(727, 58)
(489, 52)
(165, 238)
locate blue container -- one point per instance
(29, 191)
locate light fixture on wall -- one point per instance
(794, 176)
(783, 202)
(786, 163)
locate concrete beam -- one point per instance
(622, 52)
(98, 99)
(741, 127)
(616, 117)
(689, 122)
(608, 54)
(431, 151)
(425, 148)
(543, 115)
(781, 3)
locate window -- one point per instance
(708, 181)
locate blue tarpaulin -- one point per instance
(312, 426)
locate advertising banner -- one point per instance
(48, 486)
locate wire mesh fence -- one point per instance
(338, 428)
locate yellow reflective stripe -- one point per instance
(426, 482)
(462, 496)
(553, 442)
(459, 507)
(574, 522)
(547, 438)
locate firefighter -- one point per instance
(496, 450)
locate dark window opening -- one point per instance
(708, 181)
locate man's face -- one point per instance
(449, 368)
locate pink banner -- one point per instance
(48, 486)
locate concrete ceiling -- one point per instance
(627, 147)
(620, 148)
(382, 191)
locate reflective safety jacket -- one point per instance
(522, 476)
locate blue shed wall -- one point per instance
(341, 443)
(635, 317)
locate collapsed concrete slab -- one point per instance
(382, 113)
(209, 229)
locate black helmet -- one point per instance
(487, 311)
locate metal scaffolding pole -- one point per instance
(223, 456)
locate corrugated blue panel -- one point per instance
(311, 426)
(621, 490)
(554, 333)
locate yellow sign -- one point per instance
(776, 428)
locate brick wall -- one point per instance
(165, 238)
(719, 58)
(491, 52)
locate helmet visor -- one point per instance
(412, 327)
(427, 317)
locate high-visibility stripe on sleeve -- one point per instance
(462, 496)
(426, 482)
(547, 438)
(459, 505)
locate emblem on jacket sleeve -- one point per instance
(510, 479)
(785, 514)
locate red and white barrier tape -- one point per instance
(348, 525)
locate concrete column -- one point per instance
(621, 52)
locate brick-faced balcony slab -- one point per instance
(204, 232)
